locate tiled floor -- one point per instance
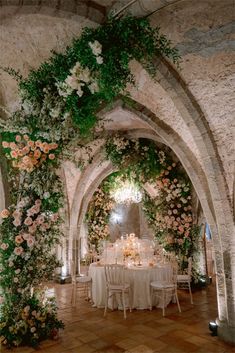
(87, 331)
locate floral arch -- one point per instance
(169, 214)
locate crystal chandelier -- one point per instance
(127, 194)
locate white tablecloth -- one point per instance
(139, 279)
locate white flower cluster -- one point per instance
(76, 81)
(162, 157)
(96, 48)
(120, 142)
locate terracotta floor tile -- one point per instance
(141, 349)
(127, 343)
(155, 344)
(88, 337)
(99, 344)
(87, 331)
(111, 349)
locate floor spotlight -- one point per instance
(213, 328)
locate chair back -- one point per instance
(174, 266)
(114, 274)
(189, 267)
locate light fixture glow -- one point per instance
(128, 193)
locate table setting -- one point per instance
(142, 266)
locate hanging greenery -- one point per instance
(59, 103)
(169, 214)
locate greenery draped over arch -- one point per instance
(59, 103)
(169, 214)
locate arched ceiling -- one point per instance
(202, 31)
(95, 10)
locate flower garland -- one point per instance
(97, 216)
(59, 103)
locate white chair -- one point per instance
(184, 281)
(83, 282)
(115, 284)
(165, 288)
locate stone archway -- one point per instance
(199, 179)
(191, 113)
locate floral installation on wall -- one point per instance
(58, 109)
(97, 216)
(169, 214)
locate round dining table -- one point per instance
(139, 278)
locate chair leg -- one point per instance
(130, 301)
(123, 304)
(191, 297)
(113, 296)
(151, 298)
(177, 300)
(90, 287)
(163, 303)
(106, 302)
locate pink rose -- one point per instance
(28, 221)
(30, 241)
(19, 239)
(38, 202)
(181, 229)
(51, 156)
(40, 219)
(18, 138)
(4, 246)
(25, 236)
(17, 222)
(12, 145)
(5, 144)
(18, 250)
(5, 213)
(32, 229)
(16, 214)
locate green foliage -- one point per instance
(131, 38)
